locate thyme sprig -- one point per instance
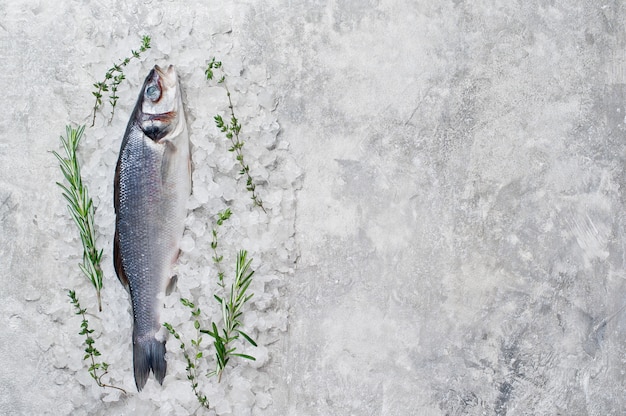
(113, 78)
(96, 369)
(222, 216)
(232, 130)
(193, 357)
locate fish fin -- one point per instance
(117, 256)
(171, 286)
(116, 182)
(168, 154)
(117, 261)
(190, 170)
(148, 354)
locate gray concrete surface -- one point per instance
(460, 226)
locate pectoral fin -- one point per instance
(169, 159)
(171, 286)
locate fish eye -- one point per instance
(153, 92)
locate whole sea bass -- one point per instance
(152, 185)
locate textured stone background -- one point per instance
(460, 228)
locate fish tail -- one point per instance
(148, 354)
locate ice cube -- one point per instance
(187, 243)
(201, 194)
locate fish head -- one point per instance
(160, 107)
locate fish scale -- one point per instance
(152, 184)
(139, 196)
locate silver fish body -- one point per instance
(152, 185)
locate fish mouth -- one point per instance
(167, 76)
(163, 117)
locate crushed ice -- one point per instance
(268, 237)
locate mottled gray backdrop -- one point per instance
(460, 227)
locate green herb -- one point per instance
(232, 130)
(81, 207)
(97, 370)
(113, 78)
(232, 310)
(229, 329)
(196, 354)
(217, 259)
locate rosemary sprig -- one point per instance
(192, 360)
(232, 306)
(97, 370)
(232, 130)
(81, 207)
(113, 77)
